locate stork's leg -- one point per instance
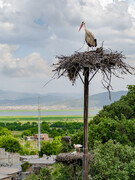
(92, 48)
(88, 48)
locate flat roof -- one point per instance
(2, 176)
(44, 160)
(9, 170)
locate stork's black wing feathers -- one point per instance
(95, 42)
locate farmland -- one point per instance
(53, 118)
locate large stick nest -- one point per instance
(72, 158)
(101, 60)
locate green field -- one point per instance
(52, 118)
(44, 110)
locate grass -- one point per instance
(43, 110)
(52, 118)
(16, 134)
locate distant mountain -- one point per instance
(97, 100)
(12, 95)
(10, 98)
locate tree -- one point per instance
(5, 132)
(45, 174)
(130, 98)
(45, 128)
(77, 138)
(25, 166)
(50, 148)
(125, 106)
(121, 130)
(10, 144)
(26, 133)
(112, 161)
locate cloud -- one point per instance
(32, 65)
(36, 31)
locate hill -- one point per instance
(10, 98)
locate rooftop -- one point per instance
(3, 176)
(36, 160)
(9, 170)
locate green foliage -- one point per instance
(34, 130)
(45, 128)
(27, 145)
(5, 132)
(113, 110)
(57, 129)
(130, 98)
(33, 152)
(125, 106)
(50, 148)
(120, 130)
(65, 147)
(25, 166)
(77, 138)
(26, 133)
(64, 172)
(32, 177)
(27, 151)
(17, 126)
(70, 126)
(113, 161)
(45, 174)
(10, 144)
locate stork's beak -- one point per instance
(81, 26)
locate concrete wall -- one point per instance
(9, 158)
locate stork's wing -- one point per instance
(90, 38)
(89, 33)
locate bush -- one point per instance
(50, 148)
(45, 174)
(77, 138)
(113, 161)
(125, 106)
(26, 133)
(10, 144)
(120, 130)
(5, 132)
(25, 166)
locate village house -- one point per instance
(35, 137)
(29, 138)
(10, 168)
(5, 177)
(10, 173)
(42, 136)
(37, 163)
(7, 158)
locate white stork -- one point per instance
(77, 146)
(89, 37)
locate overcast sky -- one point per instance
(33, 32)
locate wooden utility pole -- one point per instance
(85, 134)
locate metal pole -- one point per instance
(85, 134)
(39, 124)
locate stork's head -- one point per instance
(81, 25)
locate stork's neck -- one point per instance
(85, 27)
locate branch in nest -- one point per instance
(108, 62)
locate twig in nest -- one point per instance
(104, 60)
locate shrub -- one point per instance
(25, 166)
(113, 161)
(10, 144)
(120, 130)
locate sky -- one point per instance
(33, 33)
